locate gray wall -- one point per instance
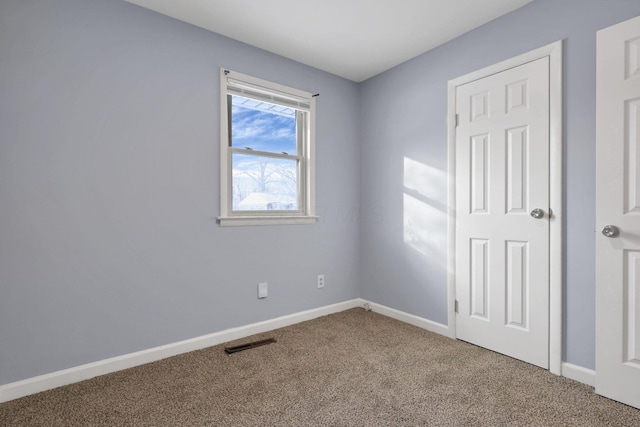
(109, 128)
(404, 137)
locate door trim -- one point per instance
(556, 258)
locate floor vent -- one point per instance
(248, 346)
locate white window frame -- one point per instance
(234, 83)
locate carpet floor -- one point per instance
(354, 368)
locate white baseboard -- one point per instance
(411, 319)
(578, 373)
(571, 371)
(45, 382)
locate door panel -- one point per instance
(618, 204)
(632, 153)
(502, 173)
(479, 276)
(479, 174)
(517, 272)
(517, 174)
(631, 342)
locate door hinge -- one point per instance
(455, 306)
(457, 120)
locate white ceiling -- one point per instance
(355, 39)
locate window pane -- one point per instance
(264, 183)
(262, 126)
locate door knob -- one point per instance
(537, 213)
(610, 231)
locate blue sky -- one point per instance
(252, 126)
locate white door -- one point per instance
(618, 204)
(502, 181)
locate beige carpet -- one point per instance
(354, 368)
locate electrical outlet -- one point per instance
(263, 290)
(320, 281)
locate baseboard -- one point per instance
(45, 382)
(578, 373)
(571, 371)
(64, 377)
(411, 319)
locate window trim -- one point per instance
(306, 192)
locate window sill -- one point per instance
(238, 221)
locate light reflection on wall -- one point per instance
(425, 210)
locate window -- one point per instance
(267, 155)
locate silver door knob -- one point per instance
(537, 213)
(610, 231)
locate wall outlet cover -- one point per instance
(263, 290)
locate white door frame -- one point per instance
(554, 52)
